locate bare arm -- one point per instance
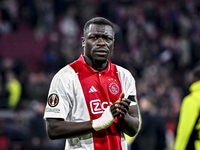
(60, 129)
(127, 115)
(128, 120)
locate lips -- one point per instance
(101, 52)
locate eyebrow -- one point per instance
(104, 34)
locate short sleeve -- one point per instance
(58, 101)
(128, 83)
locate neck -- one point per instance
(98, 65)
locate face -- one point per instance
(144, 104)
(98, 43)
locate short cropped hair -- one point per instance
(98, 21)
(196, 72)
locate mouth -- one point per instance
(101, 52)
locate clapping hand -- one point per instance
(120, 107)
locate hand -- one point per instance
(120, 107)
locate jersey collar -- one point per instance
(89, 68)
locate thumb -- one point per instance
(121, 96)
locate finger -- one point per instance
(124, 105)
(121, 96)
(112, 107)
(115, 113)
(120, 111)
(117, 101)
(120, 116)
(113, 110)
(128, 101)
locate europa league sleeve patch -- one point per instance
(53, 100)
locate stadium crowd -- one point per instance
(157, 40)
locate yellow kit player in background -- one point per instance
(188, 131)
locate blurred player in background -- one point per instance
(91, 101)
(188, 131)
(152, 133)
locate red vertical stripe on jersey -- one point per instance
(107, 90)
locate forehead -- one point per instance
(100, 29)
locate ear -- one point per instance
(83, 42)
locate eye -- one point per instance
(108, 38)
(93, 37)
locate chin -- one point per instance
(100, 61)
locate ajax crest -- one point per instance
(114, 88)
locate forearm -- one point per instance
(129, 125)
(58, 128)
(127, 115)
(63, 130)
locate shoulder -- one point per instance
(122, 69)
(123, 72)
(190, 100)
(66, 72)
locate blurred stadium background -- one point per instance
(157, 40)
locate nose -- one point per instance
(100, 42)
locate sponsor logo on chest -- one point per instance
(98, 107)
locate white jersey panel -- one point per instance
(127, 82)
(72, 106)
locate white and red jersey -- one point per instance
(79, 93)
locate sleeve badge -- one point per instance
(53, 100)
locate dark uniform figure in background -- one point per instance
(188, 130)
